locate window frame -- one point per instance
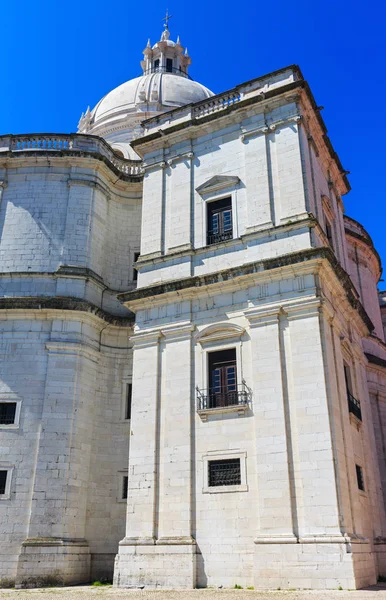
(362, 490)
(208, 204)
(126, 382)
(225, 455)
(121, 478)
(8, 484)
(136, 255)
(11, 399)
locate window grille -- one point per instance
(360, 480)
(224, 472)
(125, 486)
(3, 482)
(7, 413)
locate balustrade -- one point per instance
(215, 104)
(73, 143)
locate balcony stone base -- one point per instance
(51, 561)
(166, 564)
(314, 563)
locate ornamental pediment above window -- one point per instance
(218, 182)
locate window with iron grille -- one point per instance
(360, 480)
(3, 482)
(224, 472)
(7, 413)
(125, 486)
(220, 226)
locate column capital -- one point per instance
(178, 331)
(263, 315)
(302, 309)
(142, 339)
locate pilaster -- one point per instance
(273, 441)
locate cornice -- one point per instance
(235, 277)
(40, 304)
(267, 128)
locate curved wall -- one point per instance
(364, 267)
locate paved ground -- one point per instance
(109, 593)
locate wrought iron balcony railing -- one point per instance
(354, 406)
(226, 397)
(166, 69)
(215, 238)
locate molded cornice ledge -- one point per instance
(16, 306)
(73, 348)
(269, 314)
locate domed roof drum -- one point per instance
(164, 85)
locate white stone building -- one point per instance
(191, 288)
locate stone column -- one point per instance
(273, 439)
(257, 181)
(178, 209)
(321, 557)
(158, 550)
(153, 211)
(141, 527)
(55, 545)
(175, 438)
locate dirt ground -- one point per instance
(110, 593)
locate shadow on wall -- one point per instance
(202, 579)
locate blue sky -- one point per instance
(59, 56)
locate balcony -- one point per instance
(216, 238)
(354, 406)
(167, 69)
(223, 400)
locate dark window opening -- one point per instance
(129, 392)
(360, 480)
(3, 482)
(354, 406)
(169, 65)
(156, 63)
(125, 486)
(135, 272)
(219, 221)
(224, 472)
(222, 378)
(7, 413)
(329, 233)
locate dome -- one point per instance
(164, 85)
(166, 89)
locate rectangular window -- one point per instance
(224, 472)
(3, 482)
(219, 221)
(7, 413)
(354, 405)
(360, 480)
(129, 392)
(169, 65)
(222, 378)
(135, 272)
(347, 376)
(125, 486)
(329, 233)
(156, 64)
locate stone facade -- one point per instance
(234, 208)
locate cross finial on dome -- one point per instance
(166, 19)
